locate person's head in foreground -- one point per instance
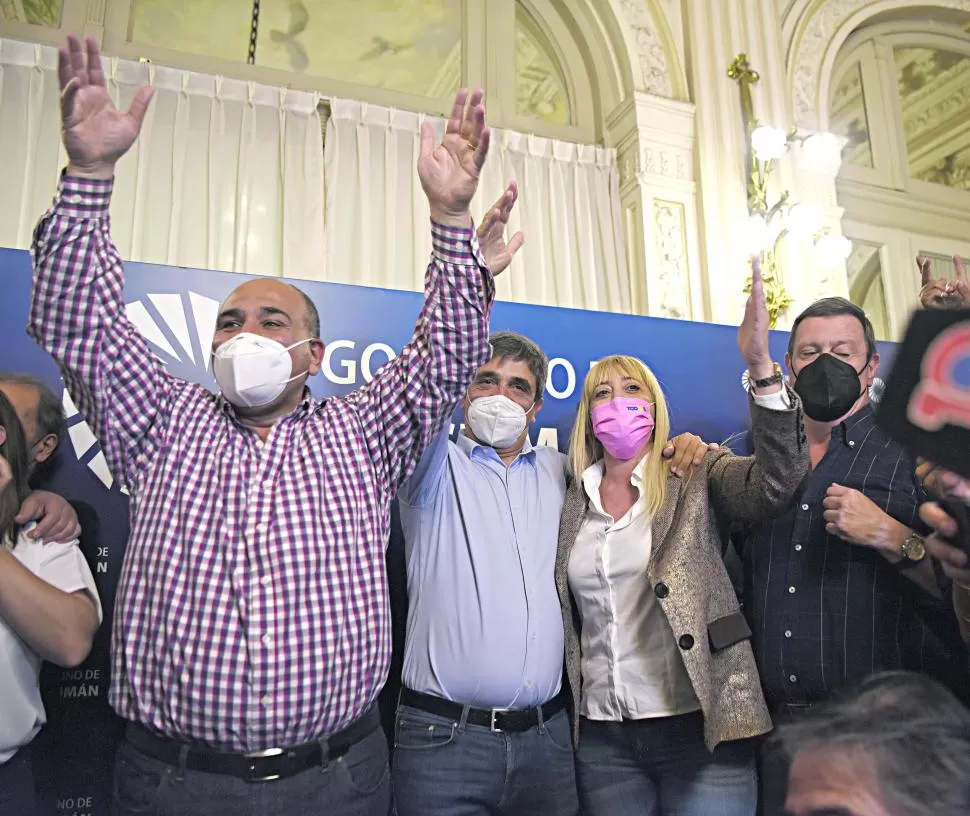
(896, 745)
(265, 346)
(832, 359)
(41, 416)
(13, 470)
(622, 416)
(506, 393)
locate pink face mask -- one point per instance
(623, 425)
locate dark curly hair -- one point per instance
(14, 450)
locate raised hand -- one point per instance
(940, 293)
(449, 173)
(753, 332)
(491, 232)
(96, 133)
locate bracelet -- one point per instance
(774, 379)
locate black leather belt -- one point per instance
(258, 766)
(495, 719)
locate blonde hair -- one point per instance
(585, 449)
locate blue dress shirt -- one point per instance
(484, 625)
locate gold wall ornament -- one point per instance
(777, 299)
(763, 147)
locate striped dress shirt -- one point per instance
(826, 613)
(252, 608)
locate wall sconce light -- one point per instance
(769, 223)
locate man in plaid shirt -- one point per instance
(252, 629)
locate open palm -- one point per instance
(96, 133)
(449, 173)
(491, 232)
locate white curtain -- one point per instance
(233, 175)
(225, 175)
(377, 230)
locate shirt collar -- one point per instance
(469, 446)
(593, 477)
(308, 404)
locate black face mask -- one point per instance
(828, 388)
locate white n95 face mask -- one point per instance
(496, 421)
(252, 370)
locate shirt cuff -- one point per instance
(459, 246)
(83, 198)
(779, 401)
(453, 244)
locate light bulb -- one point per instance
(822, 153)
(804, 220)
(833, 249)
(768, 143)
(757, 238)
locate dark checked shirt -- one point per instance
(826, 613)
(252, 609)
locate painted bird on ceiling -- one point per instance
(383, 46)
(295, 51)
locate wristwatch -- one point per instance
(913, 550)
(774, 379)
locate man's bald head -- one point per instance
(274, 296)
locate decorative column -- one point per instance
(654, 139)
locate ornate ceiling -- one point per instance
(934, 95)
(45, 13)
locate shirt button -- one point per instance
(266, 700)
(262, 528)
(793, 678)
(798, 548)
(804, 507)
(265, 580)
(74, 199)
(851, 443)
(267, 639)
(268, 484)
(791, 590)
(788, 633)
(528, 684)
(260, 445)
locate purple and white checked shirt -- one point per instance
(252, 609)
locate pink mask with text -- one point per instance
(623, 425)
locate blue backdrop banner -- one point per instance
(175, 308)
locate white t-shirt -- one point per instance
(21, 709)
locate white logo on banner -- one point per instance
(199, 326)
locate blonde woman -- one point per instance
(663, 678)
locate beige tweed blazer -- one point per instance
(687, 572)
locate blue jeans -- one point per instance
(447, 768)
(17, 791)
(356, 784)
(661, 767)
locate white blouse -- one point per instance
(631, 664)
(21, 709)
